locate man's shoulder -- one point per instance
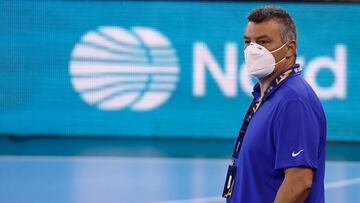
(299, 91)
(296, 88)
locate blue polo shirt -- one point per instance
(288, 130)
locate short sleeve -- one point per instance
(297, 134)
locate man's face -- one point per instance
(266, 34)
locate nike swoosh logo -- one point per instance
(297, 153)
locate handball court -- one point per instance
(94, 179)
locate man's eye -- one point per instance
(246, 42)
(262, 42)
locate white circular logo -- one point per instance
(113, 68)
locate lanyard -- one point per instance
(255, 105)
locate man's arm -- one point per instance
(296, 185)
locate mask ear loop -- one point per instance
(280, 47)
(278, 50)
(279, 61)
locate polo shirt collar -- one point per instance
(256, 89)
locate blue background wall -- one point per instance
(37, 39)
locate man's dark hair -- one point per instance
(266, 13)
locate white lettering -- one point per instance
(226, 80)
(337, 66)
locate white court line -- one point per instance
(332, 185)
(342, 183)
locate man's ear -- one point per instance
(291, 51)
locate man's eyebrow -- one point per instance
(262, 36)
(259, 37)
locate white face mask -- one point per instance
(259, 61)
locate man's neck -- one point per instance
(265, 82)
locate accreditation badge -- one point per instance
(229, 182)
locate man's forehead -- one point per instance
(268, 28)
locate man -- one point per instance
(281, 157)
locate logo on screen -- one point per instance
(113, 68)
